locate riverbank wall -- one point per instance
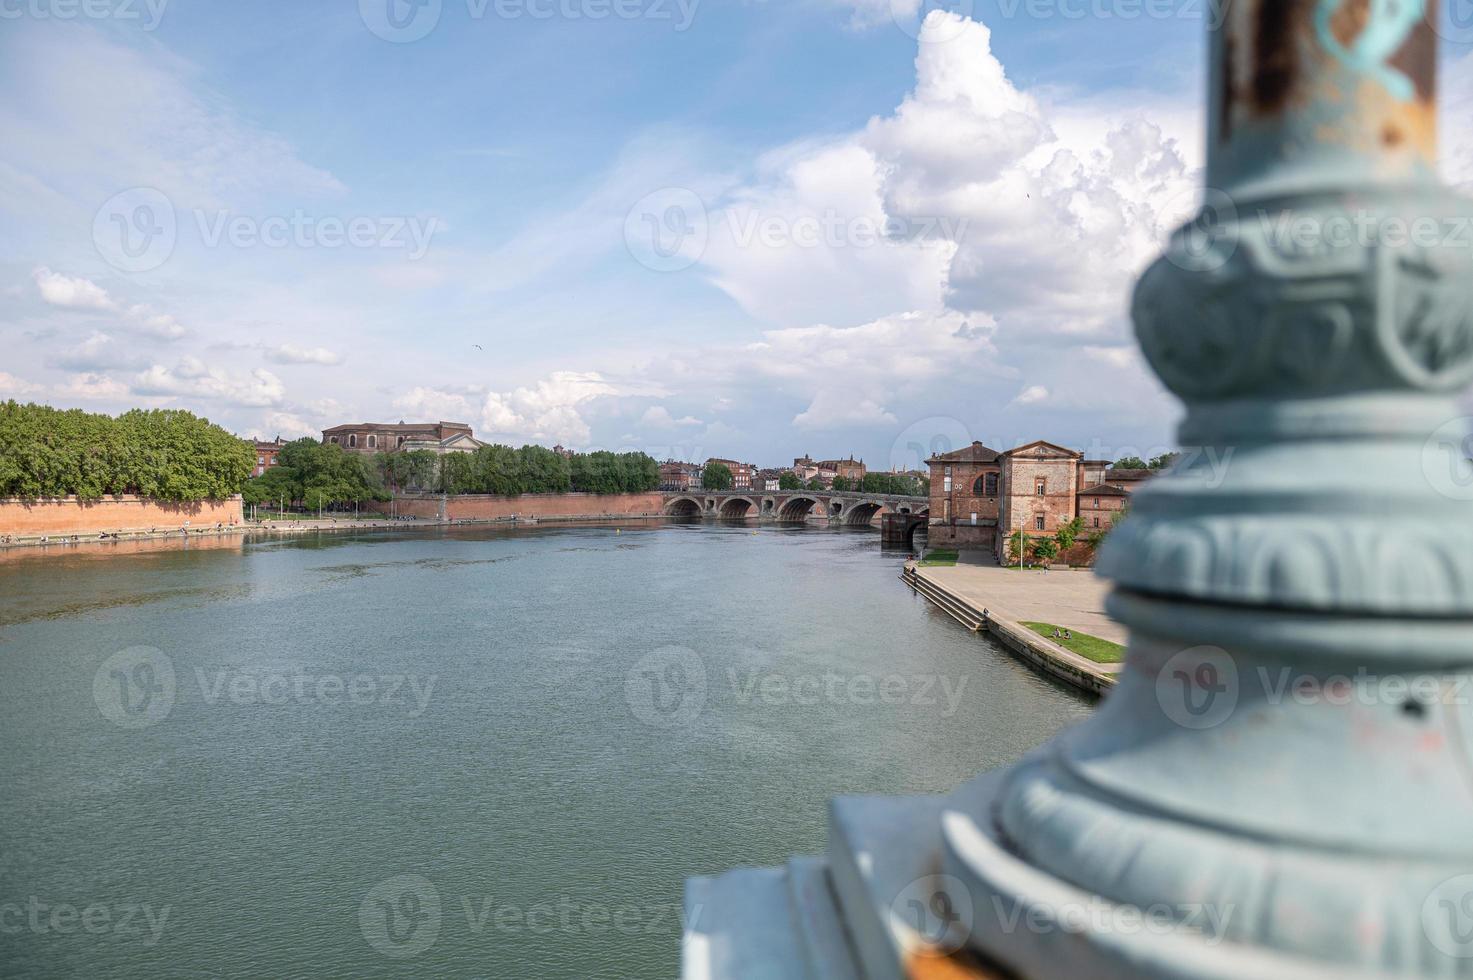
(1044, 655)
(564, 507)
(65, 517)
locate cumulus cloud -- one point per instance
(71, 292)
(99, 352)
(191, 377)
(551, 410)
(433, 403)
(1031, 395)
(292, 354)
(13, 387)
(659, 417)
(91, 386)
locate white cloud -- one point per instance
(552, 409)
(287, 426)
(835, 409)
(92, 386)
(659, 417)
(12, 387)
(71, 292)
(292, 354)
(193, 378)
(425, 404)
(99, 352)
(1031, 395)
(159, 326)
(874, 13)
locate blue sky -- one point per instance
(689, 227)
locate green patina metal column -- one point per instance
(1285, 772)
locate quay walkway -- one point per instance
(984, 597)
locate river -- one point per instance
(459, 753)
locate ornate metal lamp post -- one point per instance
(1282, 783)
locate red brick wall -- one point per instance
(486, 508)
(68, 515)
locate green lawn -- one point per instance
(938, 558)
(1096, 649)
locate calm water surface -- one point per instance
(456, 754)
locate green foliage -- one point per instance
(892, 483)
(1096, 649)
(717, 476)
(166, 454)
(789, 481)
(1163, 461)
(319, 476)
(418, 469)
(1131, 463)
(1045, 549)
(1068, 534)
(843, 483)
(815, 484)
(1018, 545)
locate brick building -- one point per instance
(377, 437)
(981, 497)
(742, 474)
(676, 475)
(266, 455)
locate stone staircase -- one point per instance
(944, 600)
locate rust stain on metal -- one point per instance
(1275, 54)
(1417, 57)
(1350, 20)
(955, 966)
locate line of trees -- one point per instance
(889, 483)
(326, 475)
(167, 454)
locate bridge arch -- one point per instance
(797, 509)
(683, 507)
(863, 512)
(738, 508)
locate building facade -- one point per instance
(742, 474)
(266, 455)
(980, 497)
(677, 475)
(377, 437)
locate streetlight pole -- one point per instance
(1281, 783)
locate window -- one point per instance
(991, 486)
(373, 442)
(401, 441)
(273, 459)
(260, 460)
(334, 440)
(353, 441)
(1097, 522)
(947, 471)
(1038, 520)
(977, 486)
(1040, 486)
(1096, 502)
(946, 484)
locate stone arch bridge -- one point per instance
(848, 509)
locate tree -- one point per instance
(843, 484)
(1131, 463)
(1068, 533)
(1164, 460)
(717, 476)
(166, 454)
(788, 480)
(1018, 545)
(816, 484)
(1045, 549)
